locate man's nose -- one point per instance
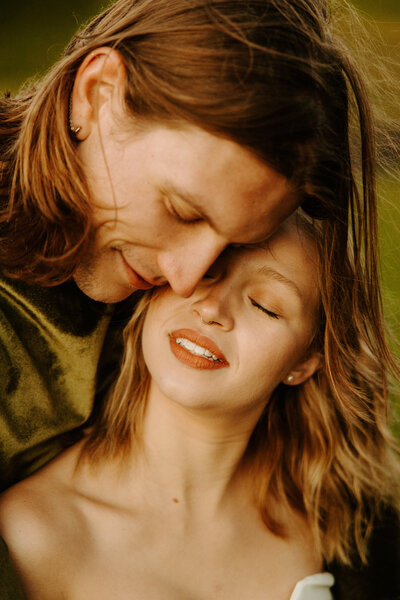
(185, 264)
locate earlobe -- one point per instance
(304, 370)
(100, 79)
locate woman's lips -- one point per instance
(194, 360)
(134, 279)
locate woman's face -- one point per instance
(247, 327)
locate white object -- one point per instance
(314, 587)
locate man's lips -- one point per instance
(193, 360)
(134, 279)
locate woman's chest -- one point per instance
(161, 563)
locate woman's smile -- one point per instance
(196, 350)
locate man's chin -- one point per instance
(108, 294)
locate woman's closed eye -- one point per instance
(265, 310)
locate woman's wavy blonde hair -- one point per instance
(322, 448)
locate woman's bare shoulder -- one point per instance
(37, 513)
(21, 517)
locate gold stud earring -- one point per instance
(75, 130)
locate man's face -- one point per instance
(167, 202)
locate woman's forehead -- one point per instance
(292, 239)
(289, 253)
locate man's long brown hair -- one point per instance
(268, 74)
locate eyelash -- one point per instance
(270, 313)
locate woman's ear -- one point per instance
(99, 82)
(304, 369)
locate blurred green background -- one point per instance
(33, 34)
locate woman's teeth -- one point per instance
(196, 350)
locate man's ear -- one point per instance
(100, 79)
(304, 369)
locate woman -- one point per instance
(237, 455)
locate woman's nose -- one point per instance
(214, 308)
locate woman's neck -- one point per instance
(190, 456)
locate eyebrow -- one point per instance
(272, 274)
(191, 199)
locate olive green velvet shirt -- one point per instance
(57, 352)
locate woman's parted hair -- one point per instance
(322, 448)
